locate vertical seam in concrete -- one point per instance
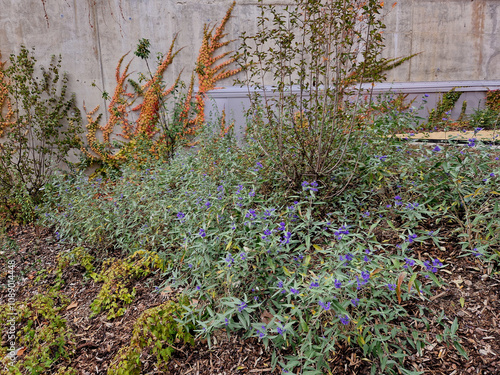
(96, 18)
(411, 40)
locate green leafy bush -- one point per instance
(39, 128)
(310, 123)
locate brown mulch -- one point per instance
(98, 340)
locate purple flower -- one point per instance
(230, 260)
(476, 252)
(366, 259)
(365, 275)
(391, 286)
(286, 238)
(198, 287)
(411, 238)
(344, 319)
(267, 233)
(477, 130)
(337, 284)
(472, 142)
(437, 263)
(492, 174)
(409, 263)
(366, 214)
(208, 204)
(326, 306)
(242, 306)
(294, 291)
(314, 284)
(436, 149)
(243, 256)
(181, 215)
(251, 214)
(280, 284)
(202, 232)
(305, 184)
(281, 330)
(282, 226)
(355, 302)
(263, 332)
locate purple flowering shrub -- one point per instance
(292, 268)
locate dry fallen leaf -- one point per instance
(21, 351)
(266, 317)
(72, 305)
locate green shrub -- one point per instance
(39, 128)
(310, 123)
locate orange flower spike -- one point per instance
(116, 107)
(207, 76)
(151, 103)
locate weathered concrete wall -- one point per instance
(458, 38)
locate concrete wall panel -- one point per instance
(458, 39)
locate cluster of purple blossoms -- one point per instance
(409, 263)
(411, 238)
(230, 260)
(432, 267)
(258, 166)
(314, 284)
(344, 229)
(313, 186)
(251, 214)
(266, 234)
(337, 283)
(262, 332)
(411, 206)
(325, 306)
(281, 330)
(242, 306)
(348, 257)
(476, 252)
(286, 238)
(398, 200)
(472, 142)
(344, 319)
(202, 232)
(365, 276)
